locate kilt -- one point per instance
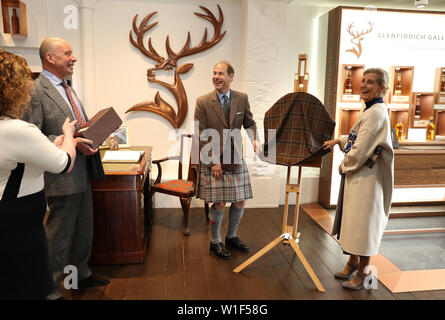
(233, 186)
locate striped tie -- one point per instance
(79, 118)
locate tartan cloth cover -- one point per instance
(234, 186)
(182, 187)
(302, 125)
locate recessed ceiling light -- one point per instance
(420, 3)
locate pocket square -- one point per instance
(238, 113)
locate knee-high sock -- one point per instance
(235, 215)
(216, 217)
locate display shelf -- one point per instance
(439, 86)
(347, 119)
(352, 75)
(400, 83)
(394, 117)
(421, 109)
(14, 18)
(440, 124)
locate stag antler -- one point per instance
(361, 33)
(173, 57)
(151, 53)
(160, 106)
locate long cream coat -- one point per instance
(368, 191)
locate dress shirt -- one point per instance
(57, 83)
(221, 99)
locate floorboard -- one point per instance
(182, 268)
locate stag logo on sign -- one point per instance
(357, 38)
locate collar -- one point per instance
(55, 80)
(227, 94)
(369, 104)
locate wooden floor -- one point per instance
(178, 267)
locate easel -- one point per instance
(289, 233)
(301, 80)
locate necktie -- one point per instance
(79, 118)
(226, 107)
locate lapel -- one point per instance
(216, 106)
(54, 95)
(234, 101)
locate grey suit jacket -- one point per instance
(210, 115)
(48, 112)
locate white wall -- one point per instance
(263, 40)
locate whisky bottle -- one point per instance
(398, 86)
(417, 110)
(430, 130)
(15, 22)
(399, 129)
(348, 83)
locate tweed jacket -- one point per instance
(302, 125)
(48, 112)
(210, 115)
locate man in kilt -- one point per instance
(223, 175)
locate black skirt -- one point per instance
(24, 268)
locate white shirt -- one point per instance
(23, 142)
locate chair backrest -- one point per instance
(191, 175)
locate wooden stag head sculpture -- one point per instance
(159, 105)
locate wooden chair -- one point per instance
(184, 189)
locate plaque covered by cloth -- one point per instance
(99, 127)
(300, 125)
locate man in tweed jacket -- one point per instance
(70, 222)
(222, 178)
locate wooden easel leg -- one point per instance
(307, 266)
(258, 255)
(289, 233)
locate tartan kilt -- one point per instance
(234, 186)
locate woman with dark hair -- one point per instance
(368, 169)
(25, 154)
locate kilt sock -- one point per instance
(235, 215)
(216, 217)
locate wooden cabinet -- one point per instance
(122, 207)
(419, 165)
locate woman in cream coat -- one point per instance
(368, 168)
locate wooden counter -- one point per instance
(121, 206)
(419, 164)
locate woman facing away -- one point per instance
(368, 169)
(25, 154)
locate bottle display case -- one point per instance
(421, 109)
(352, 77)
(14, 17)
(400, 83)
(415, 107)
